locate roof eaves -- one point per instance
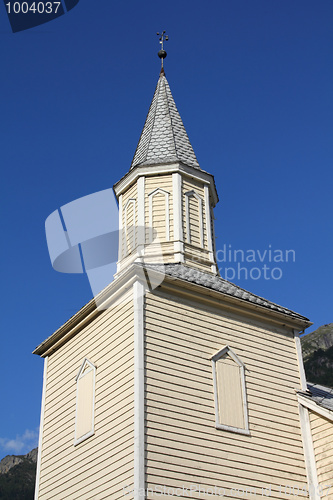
(243, 296)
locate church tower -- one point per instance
(182, 384)
(166, 200)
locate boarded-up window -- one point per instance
(159, 223)
(129, 226)
(194, 219)
(230, 392)
(85, 402)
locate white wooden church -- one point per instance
(192, 388)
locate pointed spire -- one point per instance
(164, 138)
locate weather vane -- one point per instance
(162, 38)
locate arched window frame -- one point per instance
(219, 355)
(82, 373)
(167, 215)
(130, 201)
(187, 215)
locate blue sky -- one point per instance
(253, 83)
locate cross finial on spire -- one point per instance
(162, 54)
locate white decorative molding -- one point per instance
(187, 216)
(86, 368)
(153, 170)
(167, 216)
(139, 391)
(300, 360)
(41, 427)
(129, 202)
(220, 354)
(309, 455)
(141, 212)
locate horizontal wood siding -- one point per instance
(183, 446)
(100, 466)
(322, 436)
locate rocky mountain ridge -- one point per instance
(10, 461)
(317, 348)
(17, 476)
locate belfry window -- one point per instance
(85, 402)
(159, 222)
(129, 226)
(194, 219)
(231, 413)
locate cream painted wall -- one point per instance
(100, 466)
(322, 437)
(183, 446)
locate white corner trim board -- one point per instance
(139, 391)
(41, 426)
(300, 360)
(310, 460)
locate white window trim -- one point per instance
(300, 359)
(129, 201)
(167, 216)
(187, 215)
(92, 431)
(220, 354)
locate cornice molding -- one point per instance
(200, 175)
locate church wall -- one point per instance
(322, 437)
(184, 449)
(100, 466)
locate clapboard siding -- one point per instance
(262, 443)
(99, 466)
(322, 436)
(183, 445)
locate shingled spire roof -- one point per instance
(164, 138)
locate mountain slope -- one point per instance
(17, 476)
(317, 350)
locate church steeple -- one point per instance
(164, 138)
(166, 200)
